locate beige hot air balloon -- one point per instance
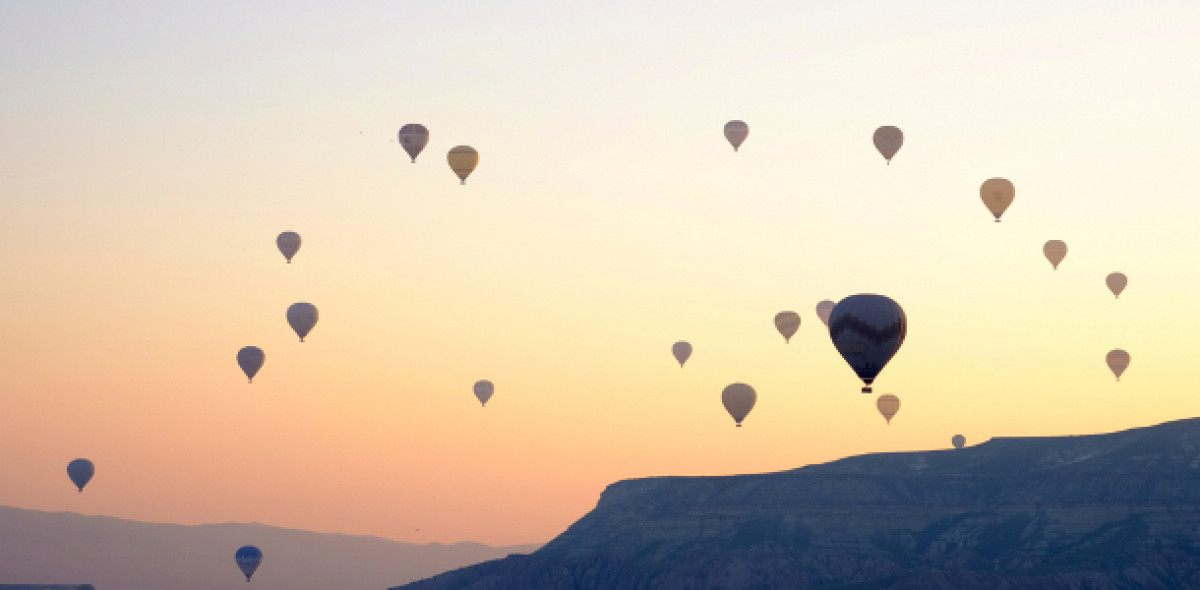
(823, 310)
(1118, 361)
(959, 441)
(888, 140)
(888, 405)
(1116, 283)
(787, 322)
(739, 399)
(736, 132)
(1055, 251)
(997, 194)
(463, 159)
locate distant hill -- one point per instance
(45, 548)
(1101, 512)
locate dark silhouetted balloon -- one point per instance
(302, 317)
(739, 399)
(682, 351)
(888, 140)
(787, 322)
(1116, 283)
(484, 390)
(959, 441)
(413, 138)
(289, 244)
(736, 132)
(250, 359)
(80, 471)
(867, 330)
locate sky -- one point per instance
(150, 153)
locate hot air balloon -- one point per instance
(248, 558)
(736, 132)
(997, 194)
(302, 317)
(823, 309)
(739, 399)
(1055, 251)
(888, 140)
(787, 322)
(1118, 361)
(250, 359)
(959, 441)
(80, 471)
(1116, 283)
(867, 330)
(463, 159)
(413, 138)
(484, 390)
(888, 405)
(682, 350)
(289, 244)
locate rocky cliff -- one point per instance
(1111, 511)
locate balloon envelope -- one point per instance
(867, 330)
(1118, 361)
(736, 132)
(413, 138)
(250, 359)
(823, 310)
(682, 350)
(248, 558)
(787, 322)
(463, 160)
(1055, 251)
(997, 194)
(888, 140)
(80, 471)
(288, 243)
(302, 317)
(739, 399)
(1116, 283)
(484, 390)
(959, 441)
(888, 405)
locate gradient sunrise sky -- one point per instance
(152, 151)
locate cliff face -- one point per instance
(1108, 511)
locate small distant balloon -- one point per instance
(288, 243)
(80, 471)
(959, 441)
(484, 390)
(739, 399)
(997, 194)
(736, 132)
(867, 330)
(463, 159)
(888, 405)
(248, 558)
(888, 140)
(250, 359)
(787, 322)
(1118, 361)
(823, 310)
(1055, 251)
(1116, 283)
(682, 350)
(302, 317)
(413, 138)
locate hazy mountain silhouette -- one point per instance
(64, 548)
(1111, 511)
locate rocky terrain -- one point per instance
(1111, 511)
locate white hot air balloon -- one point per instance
(302, 317)
(1116, 283)
(288, 243)
(1118, 361)
(1055, 251)
(739, 399)
(682, 351)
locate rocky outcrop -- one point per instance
(1110, 511)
